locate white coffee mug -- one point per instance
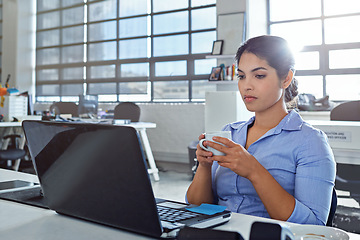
(209, 137)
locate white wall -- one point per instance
(177, 124)
(18, 57)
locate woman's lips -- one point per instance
(249, 99)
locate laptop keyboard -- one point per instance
(174, 215)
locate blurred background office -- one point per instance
(158, 54)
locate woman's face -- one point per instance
(259, 84)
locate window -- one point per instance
(124, 50)
(325, 43)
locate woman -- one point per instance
(276, 165)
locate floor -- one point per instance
(174, 181)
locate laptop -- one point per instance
(98, 172)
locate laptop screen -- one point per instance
(94, 172)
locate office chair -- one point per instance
(347, 111)
(64, 108)
(347, 177)
(127, 110)
(12, 153)
(332, 209)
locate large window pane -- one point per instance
(299, 34)
(202, 42)
(72, 89)
(134, 70)
(173, 68)
(133, 27)
(102, 10)
(135, 91)
(48, 38)
(348, 89)
(197, 3)
(334, 7)
(134, 87)
(203, 66)
(136, 48)
(73, 35)
(200, 87)
(171, 91)
(107, 97)
(171, 45)
(133, 7)
(73, 16)
(341, 30)
(307, 61)
(43, 5)
(107, 71)
(102, 31)
(102, 51)
(72, 54)
(48, 75)
(48, 90)
(48, 20)
(47, 99)
(294, 9)
(165, 5)
(67, 3)
(74, 73)
(203, 18)
(310, 84)
(102, 88)
(171, 22)
(48, 56)
(348, 58)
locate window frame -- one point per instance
(87, 64)
(323, 49)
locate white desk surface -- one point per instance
(10, 124)
(19, 221)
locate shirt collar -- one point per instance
(291, 122)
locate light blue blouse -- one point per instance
(297, 155)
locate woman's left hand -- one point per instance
(236, 158)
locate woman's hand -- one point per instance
(202, 156)
(236, 158)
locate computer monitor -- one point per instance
(88, 104)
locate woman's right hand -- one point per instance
(202, 156)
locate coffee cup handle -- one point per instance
(202, 146)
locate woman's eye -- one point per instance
(259, 76)
(240, 77)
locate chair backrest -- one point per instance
(127, 110)
(347, 111)
(65, 108)
(332, 209)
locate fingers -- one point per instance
(201, 136)
(203, 157)
(226, 141)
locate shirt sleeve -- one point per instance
(314, 181)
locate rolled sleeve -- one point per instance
(314, 181)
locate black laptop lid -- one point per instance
(94, 172)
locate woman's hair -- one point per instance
(276, 52)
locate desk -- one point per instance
(344, 139)
(19, 221)
(139, 126)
